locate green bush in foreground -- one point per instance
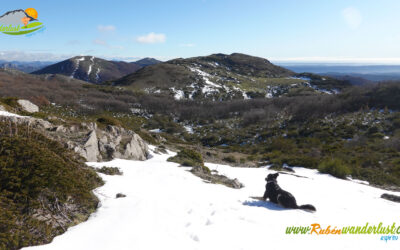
(334, 167)
(40, 176)
(108, 170)
(190, 158)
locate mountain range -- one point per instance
(225, 77)
(213, 77)
(26, 67)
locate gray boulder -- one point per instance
(90, 150)
(28, 106)
(136, 149)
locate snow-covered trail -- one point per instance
(169, 208)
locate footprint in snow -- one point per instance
(195, 237)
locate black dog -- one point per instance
(277, 195)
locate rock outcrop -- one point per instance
(136, 148)
(89, 141)
(113, 142)
(28, 106)
(90, 150)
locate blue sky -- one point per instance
(285, 30)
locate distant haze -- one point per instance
(369, 72)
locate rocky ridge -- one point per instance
(89, 141)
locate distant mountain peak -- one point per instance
(90, 68)
(147, 61)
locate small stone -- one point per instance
(120, 195)
(237, 184)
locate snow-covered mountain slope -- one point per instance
(169, 208)
(90, 69)
(226, 77)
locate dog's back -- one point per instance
(276, 194)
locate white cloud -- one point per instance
(187, 44)
(29, 57)
(106, 28)
(352, 16)
(151, 38)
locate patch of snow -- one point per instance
(136, 111)
(167, 207)
(193, 86)
(90, 66)
(77, 61)
(358, 181)
(89, 70)
(6, 113)
(97, 74)
(155, 130)
(304, 78)
(245, 96)
(329, 92)
(207, 89)
(189, 129)
(386, 137)
(178, 94)
(213, 64)
(269, 95)
(209, 85)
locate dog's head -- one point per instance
(272, 177)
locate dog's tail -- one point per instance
(307, 207)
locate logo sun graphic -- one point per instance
(32, 12)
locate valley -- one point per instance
(217, 110)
